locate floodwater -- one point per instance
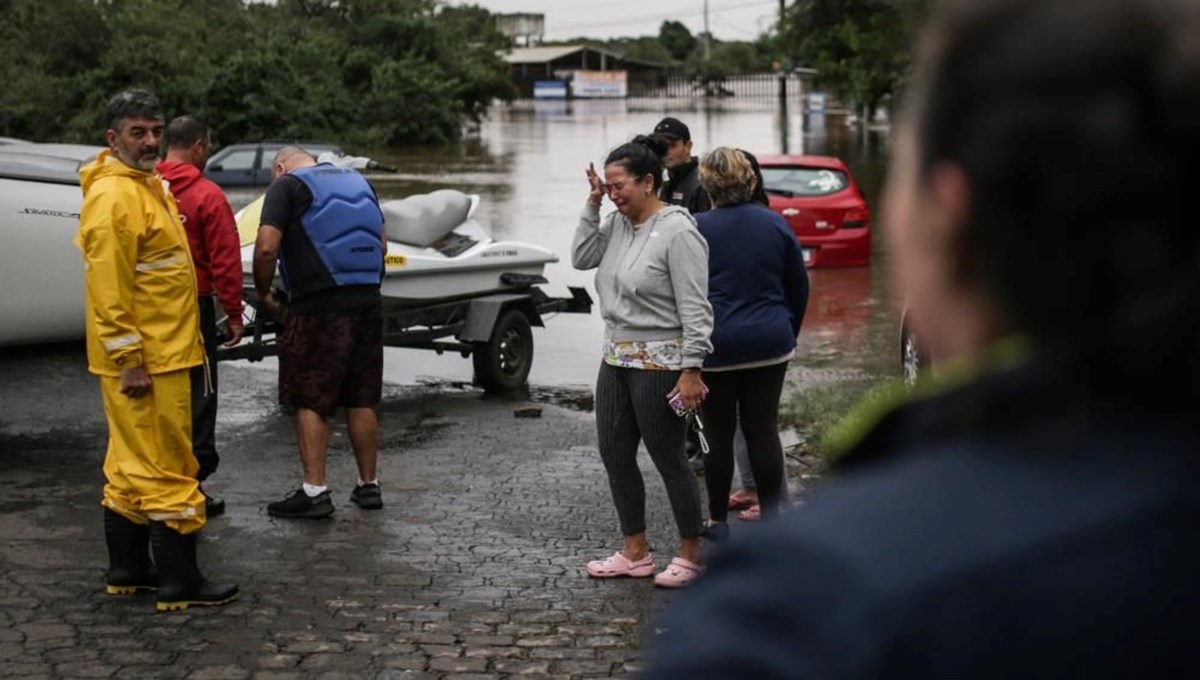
(527, 164)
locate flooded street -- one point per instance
(527, 162)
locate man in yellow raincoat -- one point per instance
(143, 336)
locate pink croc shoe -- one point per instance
(751, 514)
(619, 565)
(741, 499)
(678, 574)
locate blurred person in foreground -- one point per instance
(143, 339)
(758, 288)
(1033, 514)
(217, 257)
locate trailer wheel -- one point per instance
(502, 363)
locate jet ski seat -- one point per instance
(421, 219)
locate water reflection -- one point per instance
(527, 164)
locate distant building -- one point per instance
(525, 30)
(585, 70)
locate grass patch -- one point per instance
(826, 415)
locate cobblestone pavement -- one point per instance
(473, 569)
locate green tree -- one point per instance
(677, 40)
(646, 49)
(352, 71)
(861, 48)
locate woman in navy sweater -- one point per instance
(758, 288)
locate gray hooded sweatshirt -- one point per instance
(652, 280)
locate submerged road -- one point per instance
(473, 569)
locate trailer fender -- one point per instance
(483, 312)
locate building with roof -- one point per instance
(587, 70)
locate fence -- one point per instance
(657, 85)
(744, 86)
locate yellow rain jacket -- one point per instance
(141, 287)
(141, 310)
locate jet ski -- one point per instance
(437, 251)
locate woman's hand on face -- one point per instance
(691, 389)
(597, 185)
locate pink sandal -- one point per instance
(678, 574)
(740, 499)
(751, 514)
(619, 565)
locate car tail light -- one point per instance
(857, 218)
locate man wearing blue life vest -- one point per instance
(323, 226)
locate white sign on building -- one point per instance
(600, 84)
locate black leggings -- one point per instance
(750, 396)
(631, 407)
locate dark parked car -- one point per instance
(249, 165)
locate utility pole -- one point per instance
(707, 34)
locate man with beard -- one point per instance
(142, 340)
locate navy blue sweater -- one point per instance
(757, 284)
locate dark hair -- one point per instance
(1075, 124)
(184, 131)
(760, 192)
(639, 158)
(658, 142)
(131, 104)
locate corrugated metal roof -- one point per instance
(540, 55)
(547, 54)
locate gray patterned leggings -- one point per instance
(631, 407)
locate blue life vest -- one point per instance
(343, 224)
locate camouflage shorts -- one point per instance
(329, 360)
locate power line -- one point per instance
(731, 26)
(659, 15)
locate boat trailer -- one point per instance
(493, 329)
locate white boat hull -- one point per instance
(41, 270)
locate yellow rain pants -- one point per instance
(150, 468)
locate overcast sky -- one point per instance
(728, 19)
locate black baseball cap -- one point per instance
(673, 127)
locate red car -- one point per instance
(824, 206)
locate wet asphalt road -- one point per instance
(474, 568)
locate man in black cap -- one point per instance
(683, 184)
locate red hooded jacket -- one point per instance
(212, 234)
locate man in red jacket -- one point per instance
(216, 251)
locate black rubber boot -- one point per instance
(213, 506)
(129, 567)
(180, 583)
